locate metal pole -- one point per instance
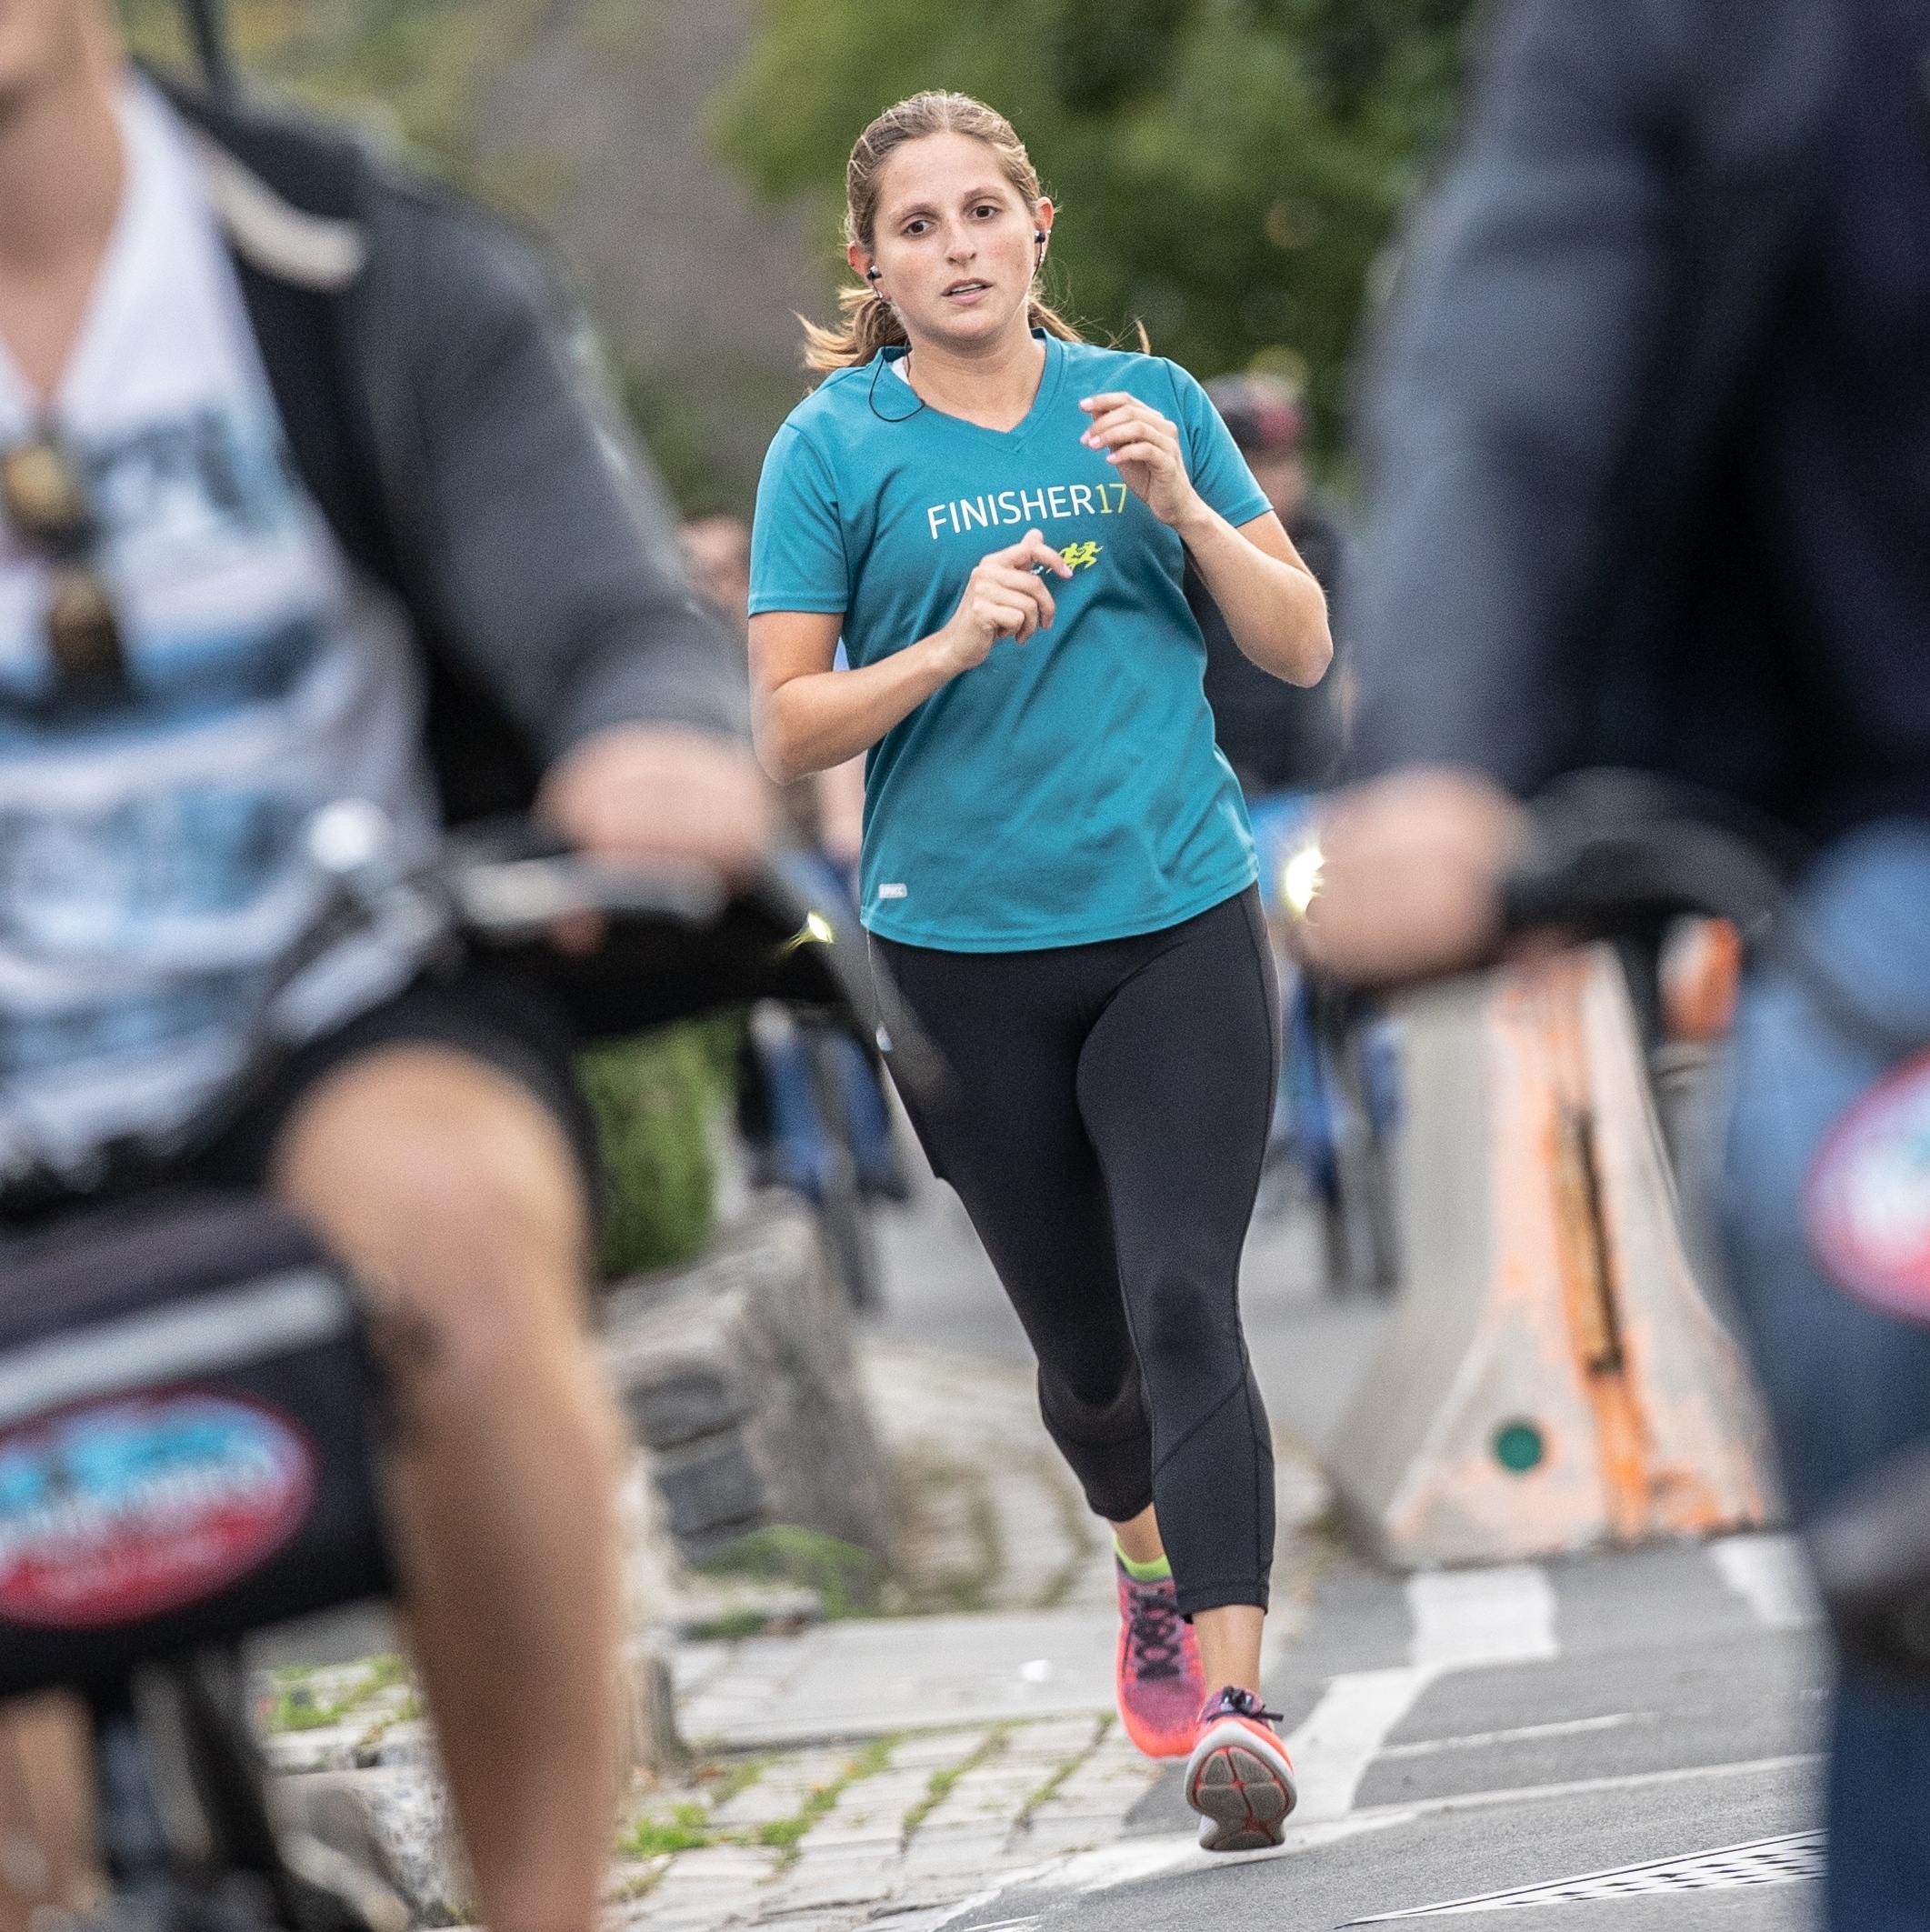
(207, 26)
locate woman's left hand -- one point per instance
(1145, 449)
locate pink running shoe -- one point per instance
(1157, 1674)
(1239, 1777)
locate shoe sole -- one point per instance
(1243, 1791)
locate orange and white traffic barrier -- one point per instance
(1556, 1377)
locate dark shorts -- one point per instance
(504, 1022)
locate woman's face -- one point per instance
(952, 242)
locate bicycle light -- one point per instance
(816, 930)
(1300, 877)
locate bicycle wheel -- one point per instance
(844, 1213)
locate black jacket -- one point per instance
(1564, 569)
(439, 402)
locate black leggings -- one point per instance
(1105, 1127)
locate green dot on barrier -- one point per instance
(1519, 1447)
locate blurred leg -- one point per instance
(454, 1196)
(47, 1810)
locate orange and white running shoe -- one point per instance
(1239, 1777)
(1156, 1675)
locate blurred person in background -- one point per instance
(1284, 744)
(781, 1112)
(827, 809)
(1057, 868)
(303, 498)
(1277, 736)
(1649, 444)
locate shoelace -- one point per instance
(1152, 1633)
(1233, 1702)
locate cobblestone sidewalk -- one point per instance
(901, 1830)
(868, 1771)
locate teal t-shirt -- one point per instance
(1067, 789)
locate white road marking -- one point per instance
(1346, 1733)
(1463, 1619)
(1177, 1852)
(1770, 1574)
(1586, 1786)
(957, 1909)
(1151, 1858)
(1520, 1734)
(1796, 1854)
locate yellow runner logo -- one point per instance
(1082, 556)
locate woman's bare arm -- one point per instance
(806, 718)
(1271, 601)
(1273, 604)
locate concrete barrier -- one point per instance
(1556, 1377)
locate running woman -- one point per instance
(998, 519)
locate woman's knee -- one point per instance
(1187, 1323)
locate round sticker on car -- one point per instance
(116, 1510)
(1867, 1202)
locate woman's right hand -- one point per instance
(1002, 598)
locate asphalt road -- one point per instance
(1470, 1734)
(1542, 1725)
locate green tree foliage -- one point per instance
(410, 73)
(1227, 170)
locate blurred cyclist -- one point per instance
(1284, 741)
(1650, 438)
(1277, 736)
(827, 809)
(304, 497)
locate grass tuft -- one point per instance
(940, 1786)
(725, 1782)
(784, 1834)
(847, 1579)
(296, 1705)
(689, 1828)
(686, 1830)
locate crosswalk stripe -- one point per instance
(1770, 1574)
(1344, 1734)
(1462, 1621)
(1464, 1618)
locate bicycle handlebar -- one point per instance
(1616, 850)
(1618, 876)
(503, 883)
(680, 940)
